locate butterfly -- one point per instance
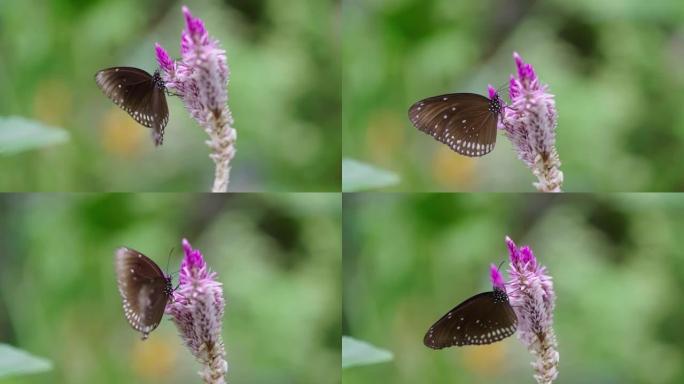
(482, 319)
(466, 122)
(138, 93)
(144, 288)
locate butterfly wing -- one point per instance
(482, 319)
(124, 85)
(463, 121)
(160, 111)
(144, 289)
(134, 91)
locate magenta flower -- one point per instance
(530, 124)
(497, 279)
(200, 78)
(493, 93)
(530, 291)
(197, 310)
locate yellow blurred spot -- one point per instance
(451, 169)
(52, 102)
(121, 135)
(485, 360)
(385, 136)
(154, 358)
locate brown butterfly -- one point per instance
(482, 319)
(138, 93)
(144, 288)
(466, 122)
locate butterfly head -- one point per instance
(500, 295)
(495, 101)
(168, 287)
(157, 79)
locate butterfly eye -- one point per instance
(466, 122)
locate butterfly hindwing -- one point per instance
(124, 85)
(466, 122)
(161, 115)
(482, 319)
(144, 289)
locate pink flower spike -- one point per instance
(512, 250)
(513, 88)
(195, 25)
(194, 33)
(165, 62)
(492, 92)
(518, 61)
(193, 261)
(527, 258)
(200, 78)
(197, 310)
(530, 124)
(533, 299)
(525, 71)
(497, 279)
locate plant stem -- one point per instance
(222, 143)
(547, 170)
(215, 367)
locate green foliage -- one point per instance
(616, 261)
(18, 134)
(284, 94)
(15, 362)
(278, 257)
(614, 66)
(357, 352)
(358, 176)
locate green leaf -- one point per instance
(358, 176)
(357, 352)
(14, 361)
(18, 134)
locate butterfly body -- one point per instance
(466, 122)
(482, 319)
(145, 289)
(138, 93)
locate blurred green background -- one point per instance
(616, 262)
(284, 94)
(615, 66)
(278, 257)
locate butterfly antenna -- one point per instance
(169, 259)
(500, 264)
(172, 273)
(503, 87)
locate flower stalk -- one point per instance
(197, 310)
(200, 79)
(530, 124)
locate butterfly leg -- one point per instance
(173, 94)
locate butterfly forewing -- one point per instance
(466, 122)
(483, 319)
(144, 289)
(138, 93)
